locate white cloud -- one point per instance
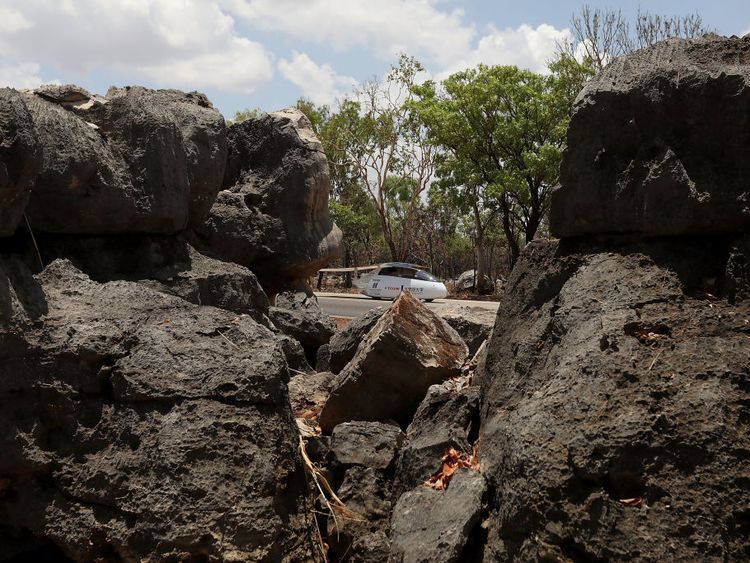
(181, 43)
(239, 68)
(388, 27)
(525, 47)
(320, 83)
(19, 75)
(12, 21)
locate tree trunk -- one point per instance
(513, 250)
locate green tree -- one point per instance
(502, 130)
(375, 138)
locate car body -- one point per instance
(390, 279)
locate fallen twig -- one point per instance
(332, 502)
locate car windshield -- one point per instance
(406, 272)
(424, 276)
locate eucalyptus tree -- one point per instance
(501, 131)
(375, 135)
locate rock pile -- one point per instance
(615, 400)
(406, 351)
(387, 430)
(146, 413)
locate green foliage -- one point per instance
(502, 130)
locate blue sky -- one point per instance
(268, 53)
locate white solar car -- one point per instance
(391, 278)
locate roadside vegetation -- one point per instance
(456, 174)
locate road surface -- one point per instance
(353, 305)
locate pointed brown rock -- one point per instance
(409, 349)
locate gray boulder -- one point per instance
(344, 343)
(308, 392)
(298, 315)
(139, 161)
(19, 159)
(272, 215)
(366, 443)
(164, 263)
(362, 536)
(21, 298)
(409, 349)
(294, 354)
(139, 426)
(468, 281)
(205, 281)
(322, 358)
(659, 144)
(448, 417)
(612, 406)
(473, 324)
(430, 525)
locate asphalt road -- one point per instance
(353, 305)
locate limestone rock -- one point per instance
(298, 315)
(272, 215)
(408, 349)
(294, 354)
(363, 538)
(139, 161)
(467, 281)
(473, 324)
(138, 426)
(344, 343)
(430, 525)
(308, 392)
(366, 443)
(612, 406)
(448, 417)
(659, 144)
(19, 159)
(737, 276)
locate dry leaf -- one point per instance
(452, 460)
(635, 501)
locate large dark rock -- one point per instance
(344, 343)
(448, 417)
(362, 535)
(21, 297)
(137, 426)
(19, 159)
(273, 213)
(164, 263)
(430, 525)
(205, 281)
(659, 144)
(298, 315)
(139, 161)
(473, 324)
(366, 443)
(409, 349)
(614, 406)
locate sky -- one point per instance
(268, 53)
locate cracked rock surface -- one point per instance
(139, 426)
